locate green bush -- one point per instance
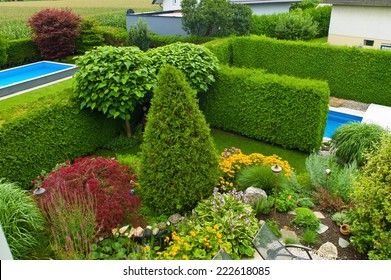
(139, 35)
(161, 40)
(352, 73)
(21, 51)
(321, 15)
(276, 109)
(286, 201)
(296, 25)
(113, 36)
(371, 216)
(264, 24)
(264, 206)
(352, 140)
(222, 49)
(39, 135)
(21, 220)
(257, 176)
(179, 164)
(90, 36)
(305, 218)
(3, 51)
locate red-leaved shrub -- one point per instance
(55, 32)
(111, 184)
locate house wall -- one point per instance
(351, 25)
(171, 5)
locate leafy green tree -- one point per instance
(371, 198)
(113, 80)
(296, 25)
(139, 35)
(179, 163)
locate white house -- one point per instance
(362, 23)
(259, 7)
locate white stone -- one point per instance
(328, 251)
(322, 228)
(123, 229)
(175, 218)
(319, 215)
(292, 213)
(343, 243)
(252, 195)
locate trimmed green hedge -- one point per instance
(113, 36)
(3, 51)
(222, 48)
(21, 51)
(282, 110)
(352, 73)
(160, 40)
(39, 135)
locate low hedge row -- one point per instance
(51, 130)
(22, 51)
(352, 73)
(282, 110)
(3, 51)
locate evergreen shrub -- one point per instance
(179, 163)
(113, 36)
(90, 36)
(21, 51)
(3, 51)
(41, 134)
(281, 110)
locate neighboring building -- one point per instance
(259, 7)
(361, 23)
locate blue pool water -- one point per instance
(30, 71)
(336, 119)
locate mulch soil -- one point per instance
(332, 234)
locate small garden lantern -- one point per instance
(39, 190)
(276, 170)
(328, 173)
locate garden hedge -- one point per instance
(352, 73)
(21, 51)
(282, 110)
(39, 135)
(3, 51)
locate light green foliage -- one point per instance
(264, 206)
(305, 202)
(139, 35)
(340, 218)
(351, 141)
(296, 25)
(215, 18)
(162, 40)
(133, 161)
(257, 176)
(305, 218)
(21, 220)
(286, 201)
(197, 63)
(15, 29)
(179, 164)
(305, 4)
(371, 216)
(274, 227)
(321, 15)
(113, 80)
(310, 237)
(90, 36)
(3, 51)
(114, 36)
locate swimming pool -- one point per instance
(32, 75)
(336, 119)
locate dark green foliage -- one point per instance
(21, 51)
(3, 51)
(264, 24)
(179, 165)
(310, 237)
(139, 35)
(305, 218)
(39, 135)
(160, 40)
(371, 216)
(113, 36)
(276, 109)
(351, 141)
(321, 15)
(352, 73)
(90, 36)
(241, 19)
(296, 25)
(305, 4)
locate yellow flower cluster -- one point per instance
(232, 164)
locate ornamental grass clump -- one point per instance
(22, 221)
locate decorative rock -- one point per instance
(293, 213)
(161, 233)
(319, 215)
(261, 222)
(328, 250)
(252, 195)
(137, 232)
(174, 219)
(147, 233)
(343, 243)
(123, 229)
(155, 231)
(322, 228)
(162, 225)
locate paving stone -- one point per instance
(292, 213)
(322, 228)
(328, 251)
(343, 243)
(319, 215)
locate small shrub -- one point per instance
(290, 240)
(305, 218)
(264, 24)
(305, 202)
(328, 201)
(351, 141)
(90, 36)
(310, 237)
(113, 36)
(55, 32)
(274, 227)
(139, 35)
(321, 15)
(257, 176)
(296, 25)
(107, 180)
(340, 218)
(264, 206)
(286, 201)
(21, 220)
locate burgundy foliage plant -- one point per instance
(111, 183)
(55, 32)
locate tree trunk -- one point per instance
(127, 126)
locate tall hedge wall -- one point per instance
(282, 110)
(352, 73)
(39, 135)
(21, 51)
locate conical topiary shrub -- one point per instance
(179, 163)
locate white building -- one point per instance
(259, 7)
(362, 23)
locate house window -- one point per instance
(385, 47)
(369, 43)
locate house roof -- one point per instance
(377, 3)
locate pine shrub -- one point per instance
(179, 163)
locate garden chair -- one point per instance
(270, 248)
(221, 255)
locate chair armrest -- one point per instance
(297, 246)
